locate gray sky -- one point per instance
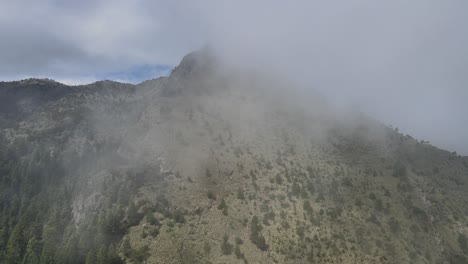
(404, 62)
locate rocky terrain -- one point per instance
(217, 165)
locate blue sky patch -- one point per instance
(138, 73)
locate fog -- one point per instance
(404, 63)
(281, 112)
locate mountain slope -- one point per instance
(217, 165)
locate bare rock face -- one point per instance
(211, 165)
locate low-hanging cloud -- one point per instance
(403, 62)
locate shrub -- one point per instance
(240, 194)
(296, 189)
(151, 219)
(139, 255)
(133, 216)
(226, 247)
(278, 179)
(154, 231)
(310, 187)
(399, 170)
(420, 214)
(347, 182)
(207, 247)
(238, 252)
(358, 202)
(179, 216)
(307, 207)
(126, 248)
(300, 231)
(255, 234)
(320, 197)
(222, 205)
(378, 205)
(143, 234)
(267, 217)
(394, 225)
(211, 195)
(463, 243)
(373, 219)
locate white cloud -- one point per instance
(64, 37)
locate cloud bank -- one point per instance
(403, 62)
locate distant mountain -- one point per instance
(215, 164)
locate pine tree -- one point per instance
(133, 215)
(255, 234)
(226, 247)
(112, 256)
(49, 244)
(90, 258)
(101, 256)
(126, 247)
(32, 252)
(15, 246)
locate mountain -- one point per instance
(216, 164)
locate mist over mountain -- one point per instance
(404, 63)
(217, 164)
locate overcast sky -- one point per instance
(403, 62)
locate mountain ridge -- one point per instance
(210, 165)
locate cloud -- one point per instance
(137, 74)
(404, 62)
(70, 40)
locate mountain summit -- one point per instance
(211, 165)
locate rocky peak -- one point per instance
(195, 62)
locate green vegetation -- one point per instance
(238, 253)
(255, 234)
(206, 248)
(399, 170)
(394, 225)
(463, 243)
(38, 221)
(279, 179)
(151, 219)
(223, 206)
(308, 208)
(226, 247)
(300, 187)
(211, 195)
(138, 255)
(240, 194)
